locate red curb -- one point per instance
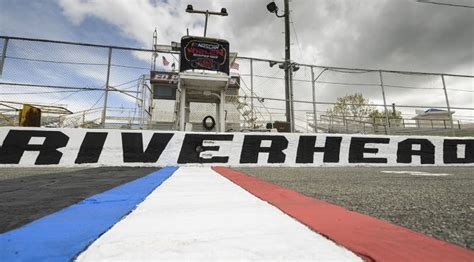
(368, 237)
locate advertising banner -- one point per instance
(102, 147)
(204, 53)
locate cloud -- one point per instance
(387, 34)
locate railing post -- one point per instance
(4, 55)
(315, 118)
(387, 128)
(104, 111)
(251, 94)
(449, 108)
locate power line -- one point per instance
(296, 37)
(445, 4)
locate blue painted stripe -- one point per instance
(63, 235)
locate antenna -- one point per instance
(155, 53)
(155, 38)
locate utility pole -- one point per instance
(287, 66)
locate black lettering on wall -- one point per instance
(192, 147)
(450, 151)
(405, 151)
(17, 142)
(91, 148)
(357, 149)
(251, 148)
(306, 149)
(132, 144)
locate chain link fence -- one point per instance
(95, 86)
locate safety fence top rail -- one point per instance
(77, 43)
(359, 70)
(351, 104)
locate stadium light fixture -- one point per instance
(207, 13)
(273, 8)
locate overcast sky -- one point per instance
(387, 34)
(392, 34)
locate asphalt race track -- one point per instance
(27, 194)
(439, 206)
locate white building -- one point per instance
(432, 118)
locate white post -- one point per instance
(4, 55)
(222, 112)
(251, 93)
(315, 122)
(218, 116)
(449, 108)
(182, 109)
(384, 103)
(104, 112)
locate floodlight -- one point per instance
(272, 7)
(189, 9)
(272, 63)
(224, 12)
(295, 68)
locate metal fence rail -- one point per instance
(107, 86)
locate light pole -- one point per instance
(207, 13)
(273, 8)
(290, 68)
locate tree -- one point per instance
(378, 118)
(351, 107)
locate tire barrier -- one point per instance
(101, 147)
(208, 126)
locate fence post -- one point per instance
(104, 111)
(313, 83)
(447, 104)
(4, 55)
(315, 118)
(387, 128)
(251, 94)
(143, 93)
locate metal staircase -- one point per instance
(244, 107)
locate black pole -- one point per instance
(287, 64)
(205, 24)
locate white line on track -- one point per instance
(415, 173)
(199, 215)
